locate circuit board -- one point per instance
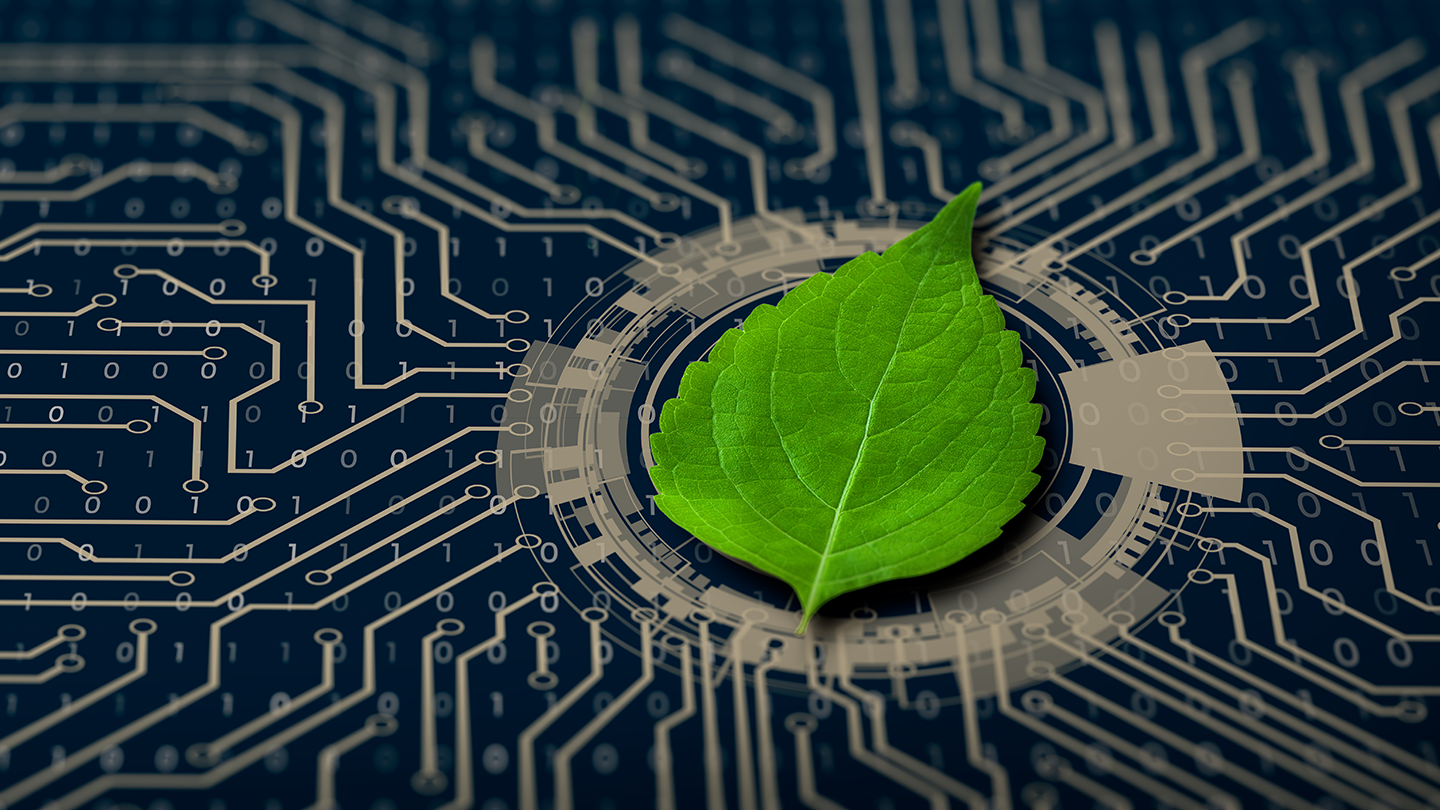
(332, 336)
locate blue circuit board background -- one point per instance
(254, 518)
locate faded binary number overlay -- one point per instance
(332, 336)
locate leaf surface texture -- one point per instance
(875, 425)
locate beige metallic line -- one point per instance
(29, 731)
(732, 54)
(525, 746)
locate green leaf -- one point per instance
(877, 424)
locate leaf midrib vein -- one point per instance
(860, 452)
